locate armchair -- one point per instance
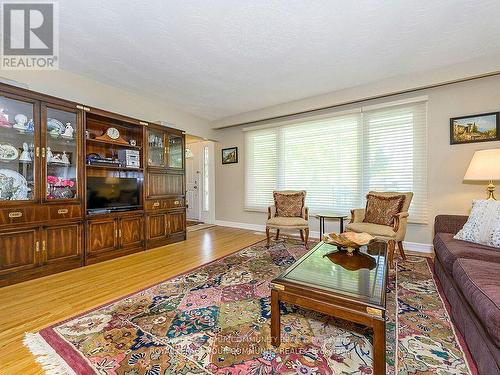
(288, 213)
(394, 233)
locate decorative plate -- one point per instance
(55, 125)
(8, 152)
(13, 186)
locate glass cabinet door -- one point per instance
(18, 144)
(156, 149)
(60, 153)
(175, 151)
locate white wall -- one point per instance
(83, 90)
(447, 163)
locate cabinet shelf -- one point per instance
(114, 168)
(98, 141)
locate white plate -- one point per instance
(8, 152)
(19, 182)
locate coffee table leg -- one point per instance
(341, 225)
(379, 347)
(275, 318)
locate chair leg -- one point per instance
(301, 235)
(391, 247)
(307, 237)
(401, 250)
(277, 234)
(268, 237)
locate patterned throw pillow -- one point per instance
(483, 225)
(381, 209)
(289, 204)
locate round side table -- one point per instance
(329, 215)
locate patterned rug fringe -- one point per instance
(51, 362)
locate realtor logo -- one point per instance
(30, 36)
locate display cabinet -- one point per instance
(61, 153)
(165, 186)
(41, 216)
(19, 150)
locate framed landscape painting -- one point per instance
(230, 155)
(475, 128)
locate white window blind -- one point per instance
(338, 159)
(261, 166)
(395, 153)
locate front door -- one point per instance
(193, 182)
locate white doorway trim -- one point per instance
(202, 175)
(208, 182)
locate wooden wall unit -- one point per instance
(44, 225)
(165, 186)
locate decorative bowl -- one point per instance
(348, 240)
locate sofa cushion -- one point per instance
(479, 282)
(483, 225)
(448, 250)
(376, 230)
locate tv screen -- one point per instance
(112, 193)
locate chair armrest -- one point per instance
(449, 223)
(399, 219)
(305, 213)
(357, 215)
(271, 212)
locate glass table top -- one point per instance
(361, 277)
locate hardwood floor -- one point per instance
(33, 305)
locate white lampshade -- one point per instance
(484, 166)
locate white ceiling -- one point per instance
(223, 57)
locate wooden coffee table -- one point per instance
(338, 288)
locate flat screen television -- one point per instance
(112, 193)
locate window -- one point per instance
(339, 158)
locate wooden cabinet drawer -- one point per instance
(19, 215)
(65, 212)
(162, 204)
(174, 203)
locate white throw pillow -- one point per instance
(483, 225)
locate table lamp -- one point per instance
(485, 166)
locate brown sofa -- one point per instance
(470, 277)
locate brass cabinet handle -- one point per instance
(120, 233)
(62, 211)
(37, 246)
(176, 202)
(15, 214)
(44, 249)
(156, 204)
(37, 152)
(43, 152)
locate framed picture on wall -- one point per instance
(475, 128)
(230, 155)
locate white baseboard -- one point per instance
(410, 246)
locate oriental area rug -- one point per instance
(216, 320)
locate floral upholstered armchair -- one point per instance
(288, 213)
(385, 217)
